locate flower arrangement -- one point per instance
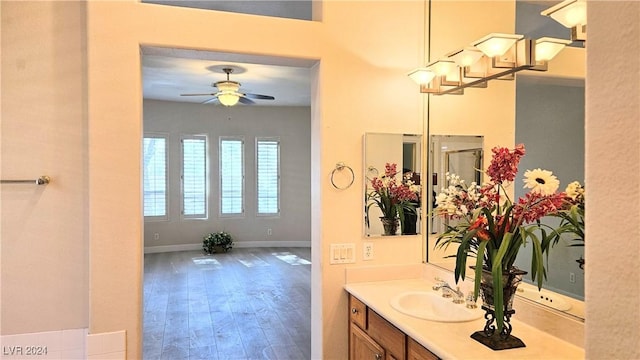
(489, 226)
(393, 198)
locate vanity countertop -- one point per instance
(452, 340)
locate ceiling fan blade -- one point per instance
(246, 101)
(209, 101)
(259, 97)
(209, 94)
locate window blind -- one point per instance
(155, 176)
(231, 176)
(268, 176)
(194, 177)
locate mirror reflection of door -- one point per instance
(467, 164)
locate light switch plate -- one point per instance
(342, 253)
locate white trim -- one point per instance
(240, 244)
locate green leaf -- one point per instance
(478, 271)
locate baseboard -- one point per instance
(239, 244)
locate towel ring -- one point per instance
(339, 167)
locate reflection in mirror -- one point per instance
(458, 154)
(404, 150)
(549, 121)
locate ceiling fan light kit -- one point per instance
(228, 93)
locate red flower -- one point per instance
(504, 163)
(535, 205)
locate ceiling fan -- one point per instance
(228, 94)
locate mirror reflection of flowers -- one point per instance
(394, 197)
(571, 216)
(489, 226)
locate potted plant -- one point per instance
(487, 225)
(217, 241)
(393, 198)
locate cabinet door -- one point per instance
(358, 312)
(416, 351)
(388, 336)
(363, 347)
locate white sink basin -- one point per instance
(430, 305)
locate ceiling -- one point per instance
(167, 73)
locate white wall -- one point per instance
(612, 180)
(44, 132)
(292, 125)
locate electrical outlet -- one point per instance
(156, 236)
(367, 251)
(572, 277)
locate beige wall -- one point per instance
(44, 228)
(360, 86)
(477, 112)
(612, 178)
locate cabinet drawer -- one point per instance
(415, 351)
(388, 336)
(358, 312)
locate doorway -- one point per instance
(193, 301)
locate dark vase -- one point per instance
(410, 220)
(499, 340)
(390, 225)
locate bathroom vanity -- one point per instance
(378, 331)
(373, 337)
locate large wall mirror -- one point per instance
(545, 111)
(403, 150)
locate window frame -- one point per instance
(205, 215)
(165, 137)
(279, 176)
(221, 180)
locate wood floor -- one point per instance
(249, 303)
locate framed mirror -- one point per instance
(405, 151)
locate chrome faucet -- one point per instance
(448, 291)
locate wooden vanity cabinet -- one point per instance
(415, 351)
(371, 337)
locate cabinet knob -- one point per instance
(378, 357)
(354, 310)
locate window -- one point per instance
(231, 176)
(268, 175)
(154, 176)
(194, 176)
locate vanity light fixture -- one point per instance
(547, 48)
(442, 67)
(465, 57)
(496, 44)
(421, 75)
(495, 56)
(571, 14)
